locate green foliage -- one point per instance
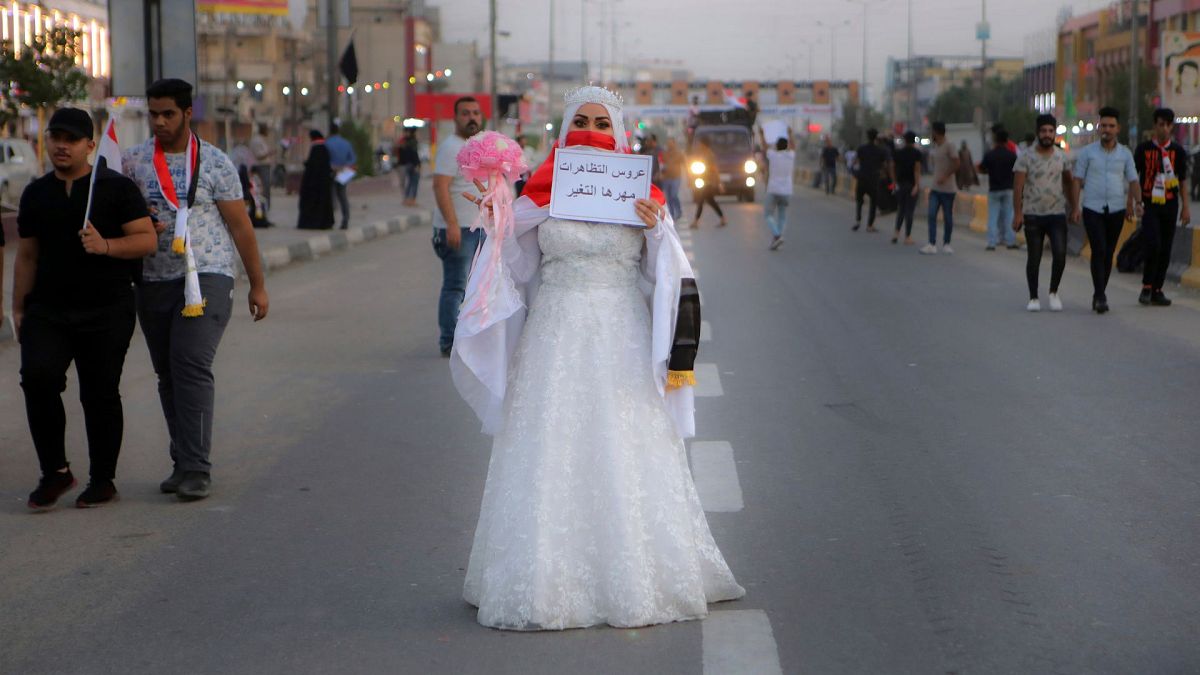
(851, 129)
(43, 76)
(1117, 95)
(359, 136)
(1006, 104)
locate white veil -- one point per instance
(592, 94)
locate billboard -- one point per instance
(269, 7)
(1180, 83)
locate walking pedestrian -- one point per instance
(1162, 170)
(829, 162)
(997, 164)
(781, 162)
(1107, 180)
(453, 242)
(73, 301)
(1043, 195)
(316, 187)
(186, 296)
(906, 167)
(672, 172)
(941, 195)
(966, 176)
(408, 155)
(869, 163)
(650, 147)
(709, 183)
(341, 155)
(264, 161)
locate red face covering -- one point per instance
(592, 139)
(538, 187)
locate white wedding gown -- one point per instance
(590, 515)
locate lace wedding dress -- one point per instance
(590, 515)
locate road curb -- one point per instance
(336, 241)
(315, 247)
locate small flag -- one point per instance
(109, 148)
(349, 63)
(108, 154)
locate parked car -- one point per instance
(18, 167)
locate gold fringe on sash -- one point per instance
(680, 378)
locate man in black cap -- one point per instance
(73, 301)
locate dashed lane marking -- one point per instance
(708, 380)
(739, 642)
(705, 331)
(716, 478)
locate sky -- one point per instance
(763, 40)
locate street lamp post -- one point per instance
(983, 33)
(492, 66)
(833, 44)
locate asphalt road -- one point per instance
(924, 479)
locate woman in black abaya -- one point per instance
(316, 187)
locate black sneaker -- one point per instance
(98, 493)
(195, 485)
(171, 485)
(1159, 300)
(1100, 305)
(446, 352)
(49, 489)
(1144, 297)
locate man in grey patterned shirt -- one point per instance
(182, 348)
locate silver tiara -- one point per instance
(593, 94)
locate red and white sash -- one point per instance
(181, 242)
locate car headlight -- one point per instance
(698, 168)
(751, 166)
(699, 183)
(749, 181)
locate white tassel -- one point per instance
(193, 302)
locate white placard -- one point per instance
(598, 186)
(773, 130)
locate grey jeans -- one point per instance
(182, 351)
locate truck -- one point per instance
(729, 135)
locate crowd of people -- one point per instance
(96, 249)
(1037, 187)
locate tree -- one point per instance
(43, 76)
(851, 129)
(1006, 105)
(1117, 95)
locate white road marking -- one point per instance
(708, 380)
(739, 642)
(716, 478)
(705, 331)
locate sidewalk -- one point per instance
(377, 211)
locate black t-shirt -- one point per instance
(998, 162)
(67, 276)
(871, 158)
(829, 157)
(905, 161)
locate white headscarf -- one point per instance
(576, 98)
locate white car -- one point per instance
(18, 167)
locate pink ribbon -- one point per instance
(499, 195)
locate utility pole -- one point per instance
(863, 82)
(1133, 80)
(912, 82)
(983, 33)
(331, 59)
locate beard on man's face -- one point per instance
(471, 127)
(1045, 142)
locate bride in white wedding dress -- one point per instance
(589, 513)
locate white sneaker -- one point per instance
(1055, 303)
(947, 249)
(1034, 305)
(927, 249)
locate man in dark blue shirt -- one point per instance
(997, 165)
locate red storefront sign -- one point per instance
(441, 106)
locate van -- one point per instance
(18, 168)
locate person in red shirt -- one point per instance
(1162, 168)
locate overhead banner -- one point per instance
(267, 7)
(1181, 71)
